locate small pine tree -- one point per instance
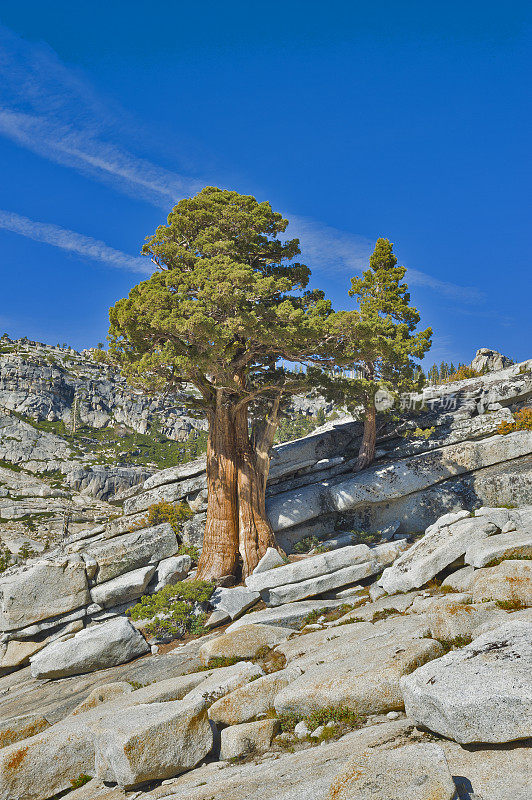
(385, 339)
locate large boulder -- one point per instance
(360, 668)
(50, 587)
(98, 647)
(443, 543)
(133, 550)
(509, 583)
(412, 772)
(480, 693)
(290, 615)
(322, 573)
(45, 764)
(293, 592)
(514, 544)
(255, 698)
(151, 742)
(243, 643)
(487, 360)
(310, 568)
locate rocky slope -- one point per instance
(378, 694)
(444, 453)
(392, 663)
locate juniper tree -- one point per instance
(226, 302)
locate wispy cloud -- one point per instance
(51, 110)
(331, 250)
(72, 242)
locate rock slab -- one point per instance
(480, 693)
(101, 646)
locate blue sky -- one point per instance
(355, 119)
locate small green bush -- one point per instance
(81, 780)
(306, 544)
(171, 610)
(5, 558)
(174, 513)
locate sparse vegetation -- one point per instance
(80, 781)
(420, 433)
(163, 511)
(306, 544)
(509, 557)
(329, 616)
(321, 716)
(456, 643)
(522, 422)
(511, 605)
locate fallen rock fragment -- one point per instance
(250, 738)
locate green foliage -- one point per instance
(306, 544)
(522, 422)
(171, 610)
(456, 643)
(421, 433)
(101, 356)
(119, 446)
(328, 616)
(225, 304)
(295, 426)
(26, 551)
(378, 341)
(511, 605)
(5, 558)
(448, 373)
(509, 556)
(163, 511)
(81, 780)
(387, 340)
(189, 550)
(321, 716)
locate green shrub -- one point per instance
(163, 511)
(5, 558)
(81, 780)
(171, 610)
(189, 550)
(306, 544)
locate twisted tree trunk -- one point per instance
(219, 555)
(366, 453)
(255, 531)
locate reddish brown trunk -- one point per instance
(255, 532)
(219, 555)
(366, 454)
